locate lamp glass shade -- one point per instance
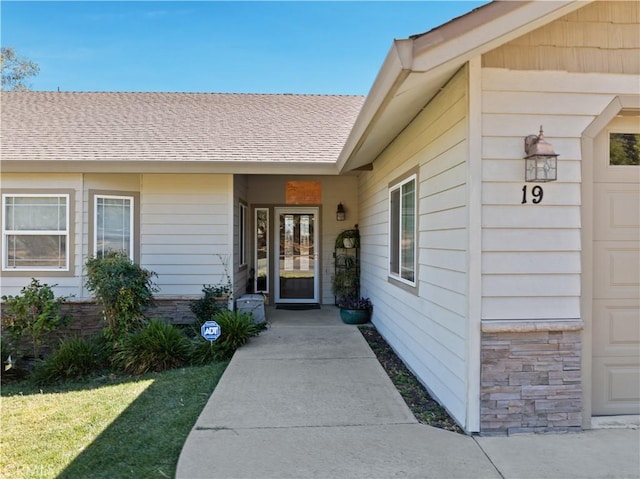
(541, 161)
(340, 215)
(541, 168)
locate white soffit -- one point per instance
(416, 69)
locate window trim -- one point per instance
(135, 216)
(242, 234)
(96, 197)
(68, 270)
(395, 186)
(268, 246)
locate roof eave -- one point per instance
(394, 70)
(416, 69)
(182, 166)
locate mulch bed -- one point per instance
(424, 408)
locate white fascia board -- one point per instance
(485, 30)
(394, 70)
(183, 166)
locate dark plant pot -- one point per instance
(355, 316)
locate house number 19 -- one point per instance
(536, 192)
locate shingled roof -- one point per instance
(122, 129)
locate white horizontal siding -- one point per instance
(443, 240)
(65, 285)
(499, 79)
(514, 124)
(531, 252)
(534, 262)
(531, 285)
(240, 194)
(532, 308)
(427, 329)
(525, 240)
(179, 211)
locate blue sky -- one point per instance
(246, 47)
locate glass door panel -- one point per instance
(262, 250)
(297, 268)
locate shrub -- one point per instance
(156, 347)
(206, 307)
(74, 358)
(32, 315)
(5, 352)
(236, 329)
(124, 289)
(204, 352)
(11, 365)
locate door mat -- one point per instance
(297, 306)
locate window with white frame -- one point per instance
(35, 232)
(402, 230)
(113, 224)
(242, 234)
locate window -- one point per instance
(35, 232)
(262, 249)
(624, 149)
(113, 224)
(402, 231)
(242, 234)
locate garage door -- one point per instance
(616, 275)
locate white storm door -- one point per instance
(297, 265)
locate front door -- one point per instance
(296, 269)
(616, 270)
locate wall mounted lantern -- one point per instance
(340, 214)
(541, 160)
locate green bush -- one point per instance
(156, 347)
(74, 358)
(5, 351)
(214, 299)
(124, 289)
(205, 352)
(12, 366)
(32, 315)
(236, 329)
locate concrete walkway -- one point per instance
(308, 398)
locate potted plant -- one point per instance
(348, 238)
(355, 310)
(345, 284)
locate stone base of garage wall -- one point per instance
(531, 378)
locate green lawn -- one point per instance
(109, 428)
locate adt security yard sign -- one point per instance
(210, 330)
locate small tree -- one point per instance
(33, 314)
(124, 289)
(15, 70)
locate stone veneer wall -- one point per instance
(531, 378)
(87, 316)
